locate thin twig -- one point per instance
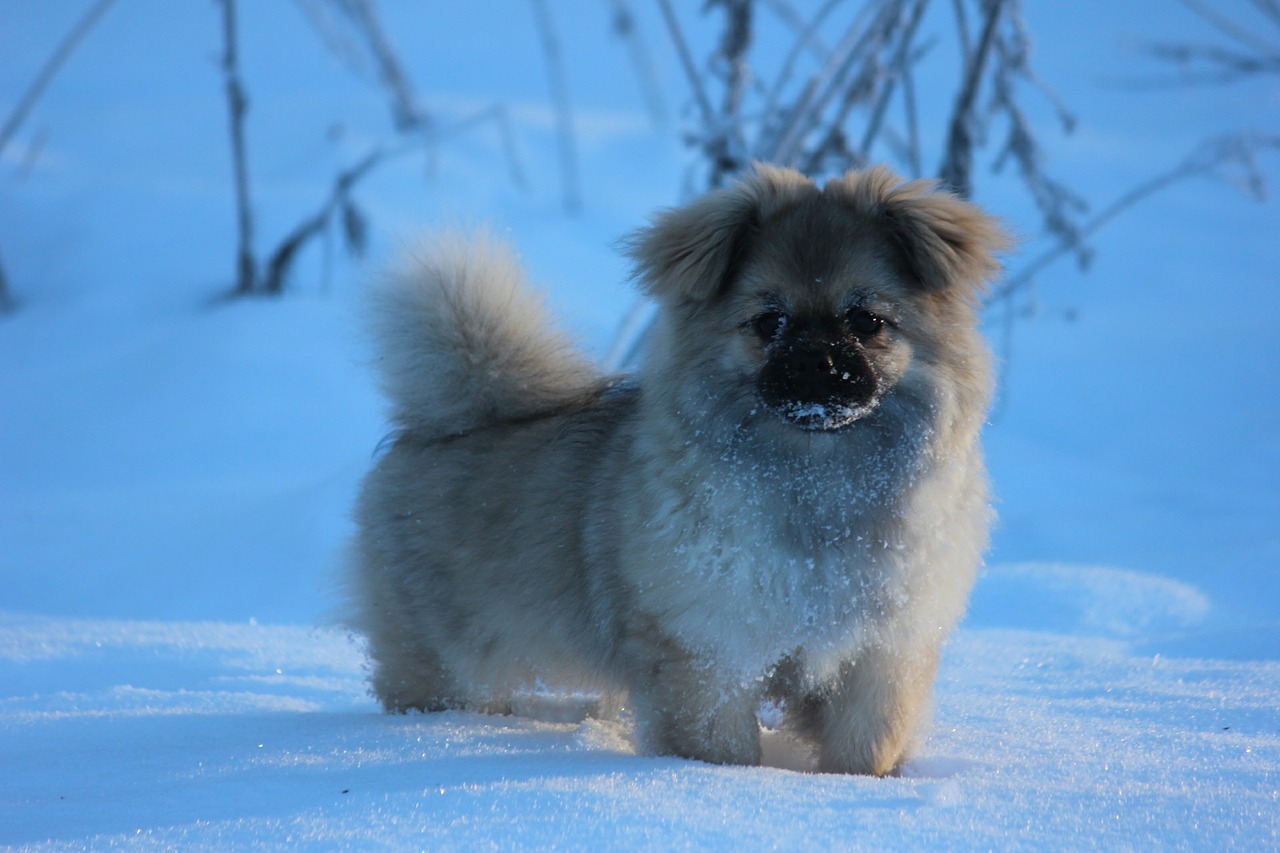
(6, 300)
(624, 24)
(823, 87)
(1270, 8)
(1202, 161)
(806, 31)
(962, 30)
(237, 106)
(856, 91)
(404, 106)
(686, 62)
(496, 113)
(334, 37)
(1230, 65)
(564, 109)
(804, 115)
(957, 164)
(50, 69)
(900, 66)
(807, 39)
(912, 121)
(281, 261)
(1229, 27)
(1028, 273)
(730, 148)
(733, 47)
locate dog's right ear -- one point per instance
(692, 253)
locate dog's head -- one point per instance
(820, 300)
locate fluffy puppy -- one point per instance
(788, 501)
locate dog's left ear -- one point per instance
(691, 253)
(946, 241)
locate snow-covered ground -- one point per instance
(175, 471)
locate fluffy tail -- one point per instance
(462, 341)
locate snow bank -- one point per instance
(157, 734)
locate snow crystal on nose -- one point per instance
(818, 416)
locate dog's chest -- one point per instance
(754, 572)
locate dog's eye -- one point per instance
(863, 323)
(768, 324)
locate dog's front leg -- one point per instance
(864, 722)
(685, 707)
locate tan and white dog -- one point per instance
(787, 502)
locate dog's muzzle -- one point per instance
(818, 385)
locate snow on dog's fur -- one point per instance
(787, 502)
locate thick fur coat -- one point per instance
(787, 502)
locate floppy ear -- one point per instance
(691, 253)
(946, 241)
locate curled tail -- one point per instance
(462, 341)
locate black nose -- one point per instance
(813, 373)
(824, 372)
(819, 385)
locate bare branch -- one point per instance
(962, 33)
(900, 66)
(1226, 66)
(957, 164)
(1270, 8)
(624, 24)
(564, 109)
(807, 31)
(50, 69)
(282, 259)
(858, 88)
(687, 63)
(807, 39)
(912, 147)
(404, 106)
(237, 106)
(6, 300)
(828, 83)
(339, 203)
(734, 44)
(335, 38)
(722, 138)
(496, 113)
(1059, 207)
(1205, 160)
(1230, 28)
(728, 147)
(1015, 49)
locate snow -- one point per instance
(176, 470)
(821, 416)
(246, 735)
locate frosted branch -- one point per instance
(1205, 161)
(957, 163)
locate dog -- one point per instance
(786, 503)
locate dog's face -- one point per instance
(814, 304)
(818, 306)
